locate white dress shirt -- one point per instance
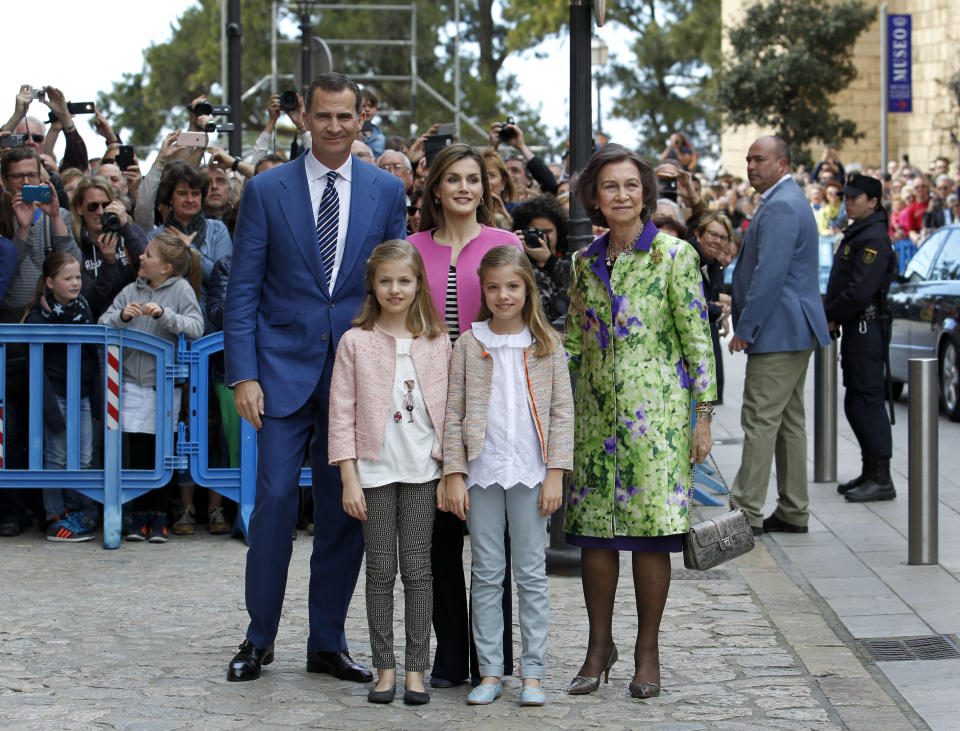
(317, 180)
(511, 453)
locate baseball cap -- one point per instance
(859, 184)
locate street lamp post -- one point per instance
(561, 558)
(599, 53)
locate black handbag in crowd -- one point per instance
(711, 542)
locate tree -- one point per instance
(789, 57)
(667, 83)
(188, 65)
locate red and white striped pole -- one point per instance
(113, 387)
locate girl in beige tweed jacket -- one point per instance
(508, 436)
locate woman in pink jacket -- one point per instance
(456, 222)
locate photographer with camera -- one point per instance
(508, 132)
(541, 225)
(110, 243)
(288, 102)
(40, 226)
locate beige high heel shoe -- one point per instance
(582, 685)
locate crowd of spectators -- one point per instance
(105, 208)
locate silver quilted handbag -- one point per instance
(711, 542)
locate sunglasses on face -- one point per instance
(37, 138)
(94, 206)
(413, 210)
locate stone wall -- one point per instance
(922, 134)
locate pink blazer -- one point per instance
(436, 260)
(363, 376)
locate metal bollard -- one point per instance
(825, 414)
(562, 559)
(923, 452)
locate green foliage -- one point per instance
(187, 65)
(667, 83)
(789, 57)
(176, 72)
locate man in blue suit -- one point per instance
(304, 232)
(778, 319)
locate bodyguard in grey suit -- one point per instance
(778, 319)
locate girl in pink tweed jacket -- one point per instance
(387, 399)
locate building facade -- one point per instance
(922, 134)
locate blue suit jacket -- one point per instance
(279, 320)
(776, 294)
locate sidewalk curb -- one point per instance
(848, 686)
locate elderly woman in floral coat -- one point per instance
(639, 339)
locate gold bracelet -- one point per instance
(704, 410)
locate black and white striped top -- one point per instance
(450, 314)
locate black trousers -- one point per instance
(862, 351)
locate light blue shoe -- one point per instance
(484, 694)
(530, 696)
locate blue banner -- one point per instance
(899, 64)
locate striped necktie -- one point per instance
(328, 221)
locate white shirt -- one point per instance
(317, 180)
(769, 191)
(409, 438)
(511, 453)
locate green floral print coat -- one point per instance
(639, 341)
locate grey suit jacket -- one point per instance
(776, 297)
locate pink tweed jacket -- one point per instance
(363, 376)
(471, 380)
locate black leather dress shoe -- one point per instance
(246, 663)
(339, 665)
(773, 523)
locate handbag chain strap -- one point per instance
(693, 473)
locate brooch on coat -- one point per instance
(656, 256)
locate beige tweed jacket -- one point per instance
(468, 399)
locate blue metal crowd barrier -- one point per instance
(905, 249)
(177, 447)
(111, 485)
(235, 483)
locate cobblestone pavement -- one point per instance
(139, 638)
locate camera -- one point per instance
(38, 193)
(206, 109)
(289, 100)
(667, 185)
(534, 237)
(505, 134)
(110, 221)
(38, 92)
(13, 140)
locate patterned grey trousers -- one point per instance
(400, 513)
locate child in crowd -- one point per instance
(387, 397)
(71, 516)
(164, 303)
(508, 437)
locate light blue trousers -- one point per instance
(491, 511)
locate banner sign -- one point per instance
(899, 68)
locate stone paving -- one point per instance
(139, 638)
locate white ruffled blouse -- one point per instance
(511, 453)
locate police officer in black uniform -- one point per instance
(863, 268)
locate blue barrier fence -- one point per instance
(113, 485)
